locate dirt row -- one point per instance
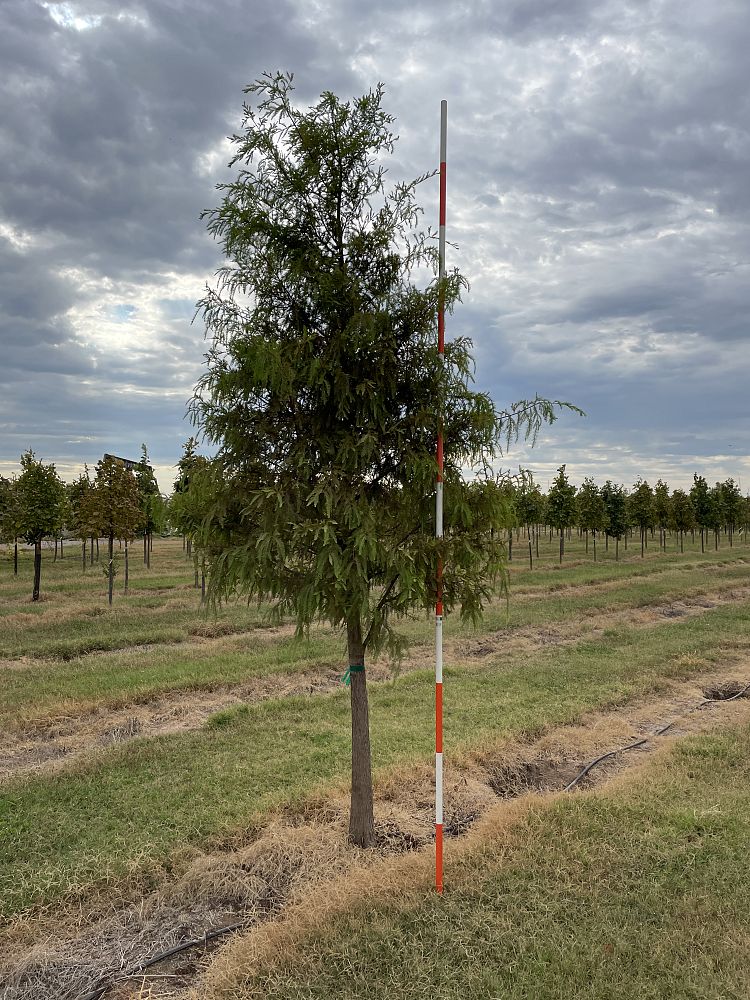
(54, 743)
(245, 887)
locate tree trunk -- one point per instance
(593, 540)
(145, 548)
(617, 548)
(15, 557)
(682, 541)
(361, 818)
(111, 568)
(97, 548)
(643, 538)
(91, 553)
(531, 557)
(203, 585)
(148, 551)
(61, 548)
(703, 548)
(127, 574)
(55, 559)
(83, 553)
(37, 569)
(587, 541)
(510, 545)
(562, 544)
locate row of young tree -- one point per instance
(615, 512)
(117, 503)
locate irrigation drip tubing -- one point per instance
(101, 988)
(659, 732)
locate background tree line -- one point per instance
(612, 511)
(116, 503)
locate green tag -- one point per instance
(354, 668)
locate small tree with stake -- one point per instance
(152, 505)
(321, 392)
(115, 509)
(561, 505)
(592, 514)
(682, 515)
(40, 496)
(615, 505)
(641, 509)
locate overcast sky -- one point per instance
(598, 186)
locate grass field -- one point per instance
(148, 743)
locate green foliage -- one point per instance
(9, 510)
(682, 515)
(324, 385)
(113, 507)
(185, 464)
(641, 505)
(82, 520)
(662, 504)
(561, 502)
(703, 503)
(615, 504)
(732, 503)
(40, 499)
(151, 503)
(592, 512)
(530, 502)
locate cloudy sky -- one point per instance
(599, 197)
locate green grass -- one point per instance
(134, 806)
(638, 891)
(47, 689)
(42, 691)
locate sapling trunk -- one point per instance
(15, 557)
(126, 566)
(361, 818)
(111, 567)
(37, 569)
(83, 553)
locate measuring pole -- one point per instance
(439, 526)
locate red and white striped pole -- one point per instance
(439, 525)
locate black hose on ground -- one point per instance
(101, 988)
(659, 732)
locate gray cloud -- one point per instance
(598, 156)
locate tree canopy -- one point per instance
(324, 389)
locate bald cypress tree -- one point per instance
(322, 394)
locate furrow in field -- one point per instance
(58, 740)
(303, 854)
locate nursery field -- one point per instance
(172, 775)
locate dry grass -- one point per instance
(301, 868)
